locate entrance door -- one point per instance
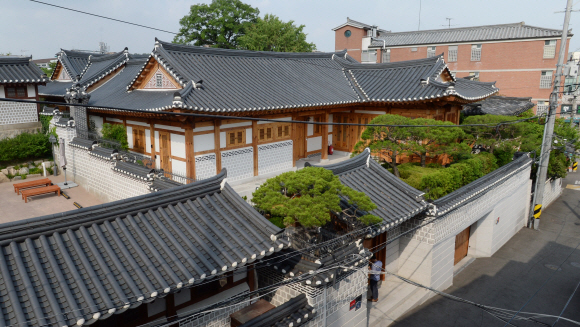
(340, 137)
(299, 140)
(461, 245)
(165, 151)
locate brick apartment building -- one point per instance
(520, 58)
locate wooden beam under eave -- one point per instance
(189, 157)
(255, 145)
(325, 137)
(152, 138)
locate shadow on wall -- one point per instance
(507, 281)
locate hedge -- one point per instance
(24, 146)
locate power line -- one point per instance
(100, 16)
(569, 299)
(170, 113)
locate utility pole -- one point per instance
(536, 209)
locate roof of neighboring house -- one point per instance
(354, 23)
(481, 186)
(498, 105)
(20, 70)
(75, 62)
(75, 267)
(466, 34)
(54, 88)
(396, 201)
(294, 312)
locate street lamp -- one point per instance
(52, 141)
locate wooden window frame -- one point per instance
(16, 92)
(286, 129)
(239, 140)
(135, 131)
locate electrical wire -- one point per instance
(100, 16)
(567, 303)
(188, 114)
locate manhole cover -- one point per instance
(575, 264)
(553, 267)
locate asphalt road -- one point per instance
(515, 274)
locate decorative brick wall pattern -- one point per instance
(274, 157)
(552, 191)
(17, 113)
(205, 166)
(219, 318)
(239, 163)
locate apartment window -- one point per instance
(542, 107)
(158, 80)
(386, 55)
(431, 52)
(475, 76)
(546, 79)
(452, 53)
(369, 56)
(235, 138)
(549, 49)
(476, 52)
(16, 92)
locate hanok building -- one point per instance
(19, 79)
(149, 258)
(484, 52)
(234, 84)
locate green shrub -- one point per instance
(278, 221)
(35, 171)
(23, 176)
(24, 146)
(10, 176)
(117, 133)
(49, 170)
(45, 121)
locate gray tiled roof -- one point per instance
(466, 34)
(20, 70)
(498, 105)
(413, 80)
(99, 67)
(79, 266)
(354, 23)
(237, 80)
(54, 88)
(294, 312)
(75, 62)
(481, 186)
(396, 201)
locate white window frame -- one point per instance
(546, 79)
(452, 53)
(542, 107)
(367, 56)
(431, 51)
(476, 52)
(386, 55)
(549, 49)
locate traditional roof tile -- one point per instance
(396, 201)
(20, 70)
(498, 105)
(466, 34)
(75, 267)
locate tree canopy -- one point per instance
(308, 196)
(48, 71)
(218, 24)
(272, 34)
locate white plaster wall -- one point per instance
(415, 260)
(236, 125)
(203, 142)
(552, 191)
(2, 94)
(138, 123)
(330, 120)
(203, 129)
(31, 91)
(171, 128)
(148, 140)
(443, 256)
(313, 143)
(205, 166)
(115, 120)
(267, 122)
(178, 145)
(222, 140)
(329, 138)
(371, 112)
(157, 142)
(275, 157)
(179, 167)
(130, 136)
(309, 127)
(248, 135)
(391, 260)
(98, 122)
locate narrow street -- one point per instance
(515, 273)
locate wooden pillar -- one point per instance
(325, 137)
(152, 138)
(216, 135)
(170, 311)
(255, 145)
(251, 278)
(189, 157)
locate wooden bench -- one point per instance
(39, 191)
(39, 182)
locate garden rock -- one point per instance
(4, 178)
(31, 163)
(23, 171)
(37, 162)
(17, 178)
(33, 175)
(48, 164)
(11, 171)
(4, 171)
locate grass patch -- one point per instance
(278, 221)
(412, 173)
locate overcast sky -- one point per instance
(42, 30)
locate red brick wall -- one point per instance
(353, 43)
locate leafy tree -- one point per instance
(386, 139)
(308, 196)
(48, 71)
(272, 34)
(116, 133)
(432, 141)
(218, 24)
